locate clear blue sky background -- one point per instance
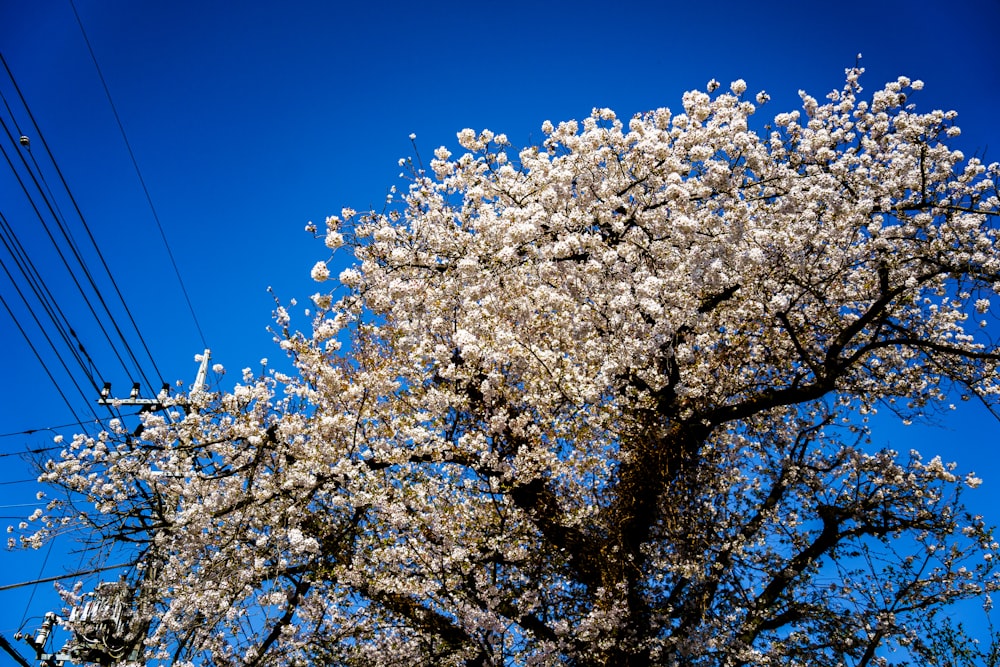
(249, 119)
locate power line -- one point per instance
(18, 658)
(32, 431)
(142, 182)
(50, 307)
(44, 297)
(41, 198)
(26, 261)
(44, 365)
(68, 237)
(37, 450)
(34, 589)
(63, 577)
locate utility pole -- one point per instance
(153, 404)
(105, 630)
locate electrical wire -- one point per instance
(37, 285)
(48, 307)
(44, 297)
(44, 365)
(73, 248)
(37, 450)
(90, 236)
(142, 182)
(79, 212)
(63, 577)
(62, 256)
(40, 195)
(13, 653)
(34, 589)
(32, 431)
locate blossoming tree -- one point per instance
(601, 401)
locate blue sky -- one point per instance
(250, 119)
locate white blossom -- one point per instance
(320, 272)
(605, 400)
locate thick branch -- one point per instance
(826, 540)
(294, 596)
